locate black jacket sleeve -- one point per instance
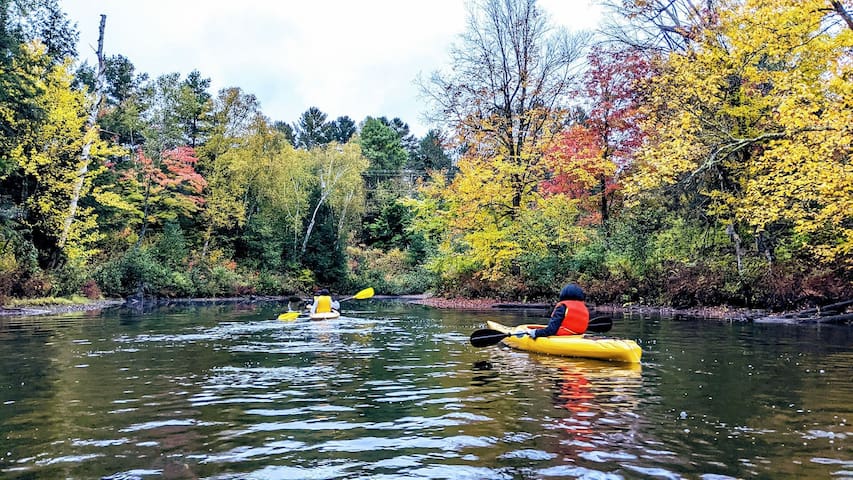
(554, 323)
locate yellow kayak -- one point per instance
(572, 345)
(324, 315)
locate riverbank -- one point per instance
(834, 314)
(728, 314)
(720, 313)
(716, 313)
(102, 304)
(60, 309)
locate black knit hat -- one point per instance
(572, 292)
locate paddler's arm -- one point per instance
(553, 324)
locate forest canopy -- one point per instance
(688, 153)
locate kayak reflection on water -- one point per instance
(592, 392)
(573, 394)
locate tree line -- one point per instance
(689, 153)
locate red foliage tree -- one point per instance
(588, 158)
(168, 187)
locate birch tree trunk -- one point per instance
(732, 232)
(91, 123)
(323, 195)
(344, 209)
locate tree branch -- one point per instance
(842, 12)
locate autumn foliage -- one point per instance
(701, 155)
(588, 159)
(696, 167)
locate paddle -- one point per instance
(366, 293)
(488, 337)
(361, 295)
(287, 316)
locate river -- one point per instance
(395, 391)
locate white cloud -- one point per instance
(574, 14)
(354, 58)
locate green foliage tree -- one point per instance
(120, 121)
(342, 129)
(384, 221)
(171, 248)
(46, 22)
(407, 139)
(324, 254)
(194, 108)
(431, 154)
(161, 119)
(120, 118)
(312, 129)
(43, 21)
(277, 182)
(338, 172)
(383, 146)
(237, 136)
(285, 130)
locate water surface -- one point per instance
(394, 391)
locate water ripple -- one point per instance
(242, 454)
(402, 395)
(321, 472)
(367, 444)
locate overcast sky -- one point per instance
(346, 57)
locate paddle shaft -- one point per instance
(363, 294)
(488, 337)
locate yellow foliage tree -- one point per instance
(477, 231)
(239, 141)
(49, 157)
(756, 115)
(505, 99)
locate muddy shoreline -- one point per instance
(716, 313)
(436, 302)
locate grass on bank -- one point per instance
(46, 301)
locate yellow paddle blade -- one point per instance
(366, 293)
(288, 316)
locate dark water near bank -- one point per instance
(394, 391)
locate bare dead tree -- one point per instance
(510, 79)
(659, 25)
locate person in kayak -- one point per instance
(570, 315)
(323, 303)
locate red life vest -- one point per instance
(576, 318)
